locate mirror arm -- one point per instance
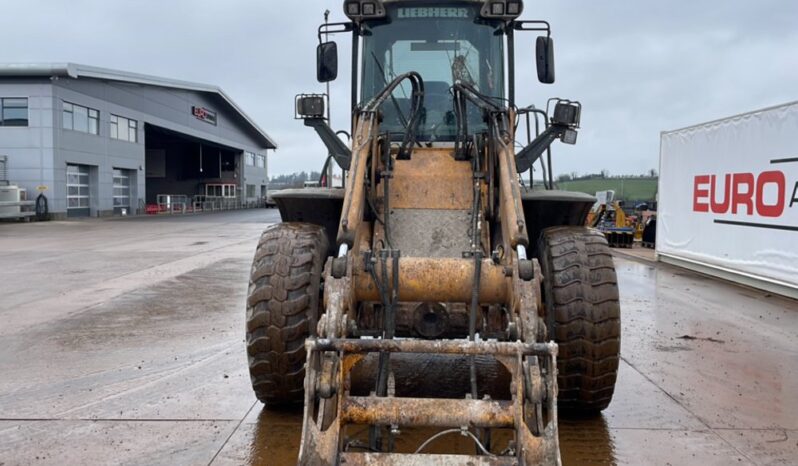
(527, 156)
(335, 28)
(532, 25)
(336, 147)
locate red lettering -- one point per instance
(743, 198)
(700, 194)
(771, 210)
(723, 206)
(743, 191)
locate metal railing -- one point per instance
(181, 204)
(17, 209)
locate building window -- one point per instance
(14, 111)
(260, 161)
(249, 159)
(80, 118)
(124, 129)
(250, 190)
(220, 190)
(121, 189)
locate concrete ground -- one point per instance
(636, 252)
(121, 342)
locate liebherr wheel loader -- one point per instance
(434, 252)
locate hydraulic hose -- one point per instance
(417, 102)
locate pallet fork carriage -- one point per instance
(434, 250)
(536, 444)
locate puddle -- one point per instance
(277, 434)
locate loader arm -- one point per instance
(500, 135)
(365, 142)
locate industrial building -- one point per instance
(101, 142)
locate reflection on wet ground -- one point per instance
(121, 343)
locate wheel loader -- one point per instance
(435, 299)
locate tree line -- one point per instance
(293, 180)
(604, 174)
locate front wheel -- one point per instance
(583, 315)
(282, 309)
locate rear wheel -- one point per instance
(282, 308)
(583, 313)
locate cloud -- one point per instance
(638, 67)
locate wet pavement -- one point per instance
(121, 342)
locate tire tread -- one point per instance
(581, 292)
(282, 308)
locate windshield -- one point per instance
(443, 44)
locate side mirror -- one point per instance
(327, 62)
(544, 55)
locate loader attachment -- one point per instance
(510, 420)
(331, 425)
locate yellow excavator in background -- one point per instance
(608, 216)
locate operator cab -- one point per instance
(461, 55)
(444, 43)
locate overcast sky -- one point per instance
(638, 67)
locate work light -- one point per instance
(506, 10)
(359, 10)
(569, 136)
(352, 9)
(566, 113)
(310, 106)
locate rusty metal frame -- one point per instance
(323, 442)
(439, 280)
(363, 459)
(331, 357)
(460, 347)
(350, 280)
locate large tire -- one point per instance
(583, 315)
(283, 308)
